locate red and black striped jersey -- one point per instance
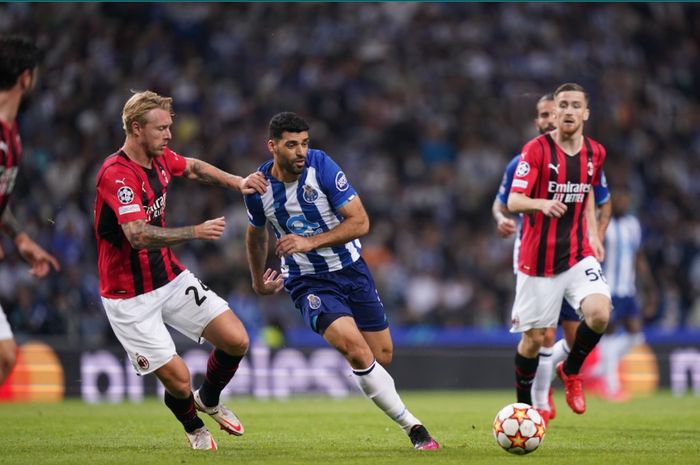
(126, 191)
(10, 158)
(550, 246)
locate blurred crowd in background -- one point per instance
(422, 104)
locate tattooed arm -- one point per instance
(142, 235)
(206, 173)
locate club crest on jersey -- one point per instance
(590, 168)
(142, 362)
(341, 182)
(310, 194)
(125, 195)
(300, 226)
(522, 169)
(314, 301)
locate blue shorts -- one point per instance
(350, 291)
(624, 307)
(568, 313)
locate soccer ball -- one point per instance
(518, 428)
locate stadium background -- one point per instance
(422, 104)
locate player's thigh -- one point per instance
(586, 288)
(344, 335)
(537, 302)
(363, 299)
(138, 325)
(227, 333)
(192, 305)
(380, 344)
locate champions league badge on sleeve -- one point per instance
(125, 194)
(522, 169)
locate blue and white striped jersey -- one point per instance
(306, 207)
(622, 241)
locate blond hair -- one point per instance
(139, 104)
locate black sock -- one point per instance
(585, 342)
(525, 369)
(220, 369)
(184, 411)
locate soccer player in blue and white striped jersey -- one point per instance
(318, 218)
(624, 264)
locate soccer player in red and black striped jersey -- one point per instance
(18, 71)
(142, 283)
(560, 249)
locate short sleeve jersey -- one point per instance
(126, 191)
(306, 207)
(550, 246)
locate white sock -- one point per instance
(560, 351)
(613, 352)
(609, 361)
(378, 385)
(543, 380)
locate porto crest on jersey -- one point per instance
(310, 194)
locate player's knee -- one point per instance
(239, 346)
(384, 356)
(357, 355)
(178, 387)
(598, 320)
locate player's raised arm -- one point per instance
(206, 173)
(142, 235)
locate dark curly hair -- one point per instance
(17, 54)
(286, 121)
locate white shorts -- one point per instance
(5, 330)
(139, 322)
(538, 299)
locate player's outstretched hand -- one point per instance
(39, 259)
(272, 283)
(505, 227)
(252, 183)
(554, 208)
(210, 230)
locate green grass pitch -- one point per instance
(661, 429)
